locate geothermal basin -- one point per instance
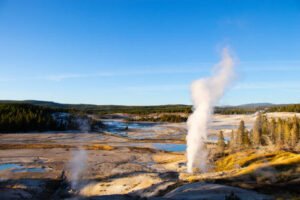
(125, 158)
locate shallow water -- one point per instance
(9, 166)
(19, 168)
(29, 170)
(121, 127)
(145, 130)
(170, 147)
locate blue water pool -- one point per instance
(29, 170)
(9, 166)
(19, 168)
(121, 127)
(170, 147)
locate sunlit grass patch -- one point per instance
(163, 158)
(99, 147)
(52, 146)
(252, 158)
(33, 146)
(261, 164)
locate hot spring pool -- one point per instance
(120, 127)
(170, 147)
(9, 166)
(29, 170)
(13, 167)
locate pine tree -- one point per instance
(257, 130)
(272, 131)
(265, 134)
(246, 139)
(221, 143)
(279, 133)
(294, 132)
(240, 134)
(287, 133)
(232, 142)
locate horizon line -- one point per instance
(171, 104)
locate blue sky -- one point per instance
(146, 52)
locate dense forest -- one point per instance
(278, 132)
(26, 117)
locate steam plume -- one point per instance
(206, 93)
(78, 165)
(79, 157)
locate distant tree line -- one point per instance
(236, 110)
(285, 108)
(172, 118)
(277, 132)
(144, 110)
(186, 109)
(140, 110)
(26, 117)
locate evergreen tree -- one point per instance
(272, 130)
(27, 117)
(251, 136)
(257, 130)
(232, 142)
(265, 125)
(221, 143)
(240, 134)
(287, 133)
(279, 133)
(294, 132)
(246, 139)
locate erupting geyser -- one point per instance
(205, 94)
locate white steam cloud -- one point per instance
(78, 165)
(206, 93)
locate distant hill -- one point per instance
(50, 104)
(62, 105)
(108, 109)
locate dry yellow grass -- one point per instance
(99, 147)
(33, 146)
(251, 161)
(165, 158)
(261, 165)
(52, 146)
(203, 176)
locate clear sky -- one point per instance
(139, 52)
